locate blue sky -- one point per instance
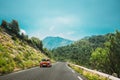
(71, 19)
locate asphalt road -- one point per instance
(59, 71)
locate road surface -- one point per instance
(59, 71)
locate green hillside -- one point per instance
(100, 52)
(16, 53)
(80, 51)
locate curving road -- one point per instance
(59, 71)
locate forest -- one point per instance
(99, 52)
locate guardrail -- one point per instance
(110, 77)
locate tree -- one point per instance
(14, 27)
(114, 53)
(4, 25)
(23, 37)
(107, 58)
(99, 59)
(37, 43)
(47, 52)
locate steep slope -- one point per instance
(16, 55)
(54, 42)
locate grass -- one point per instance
(14, 55)
(88, 75)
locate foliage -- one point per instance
(6, 63)
(114, 53)
(47, 52)
(87, 74)
(24, 37)
(80, 51)
(100, 52)
(107, 59)
(4, 24)
(0, 28)
(16, 54)
(99, 59)
(37, 43)
(13, 29)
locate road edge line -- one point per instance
(79, 78)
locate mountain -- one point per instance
(80, 51)
(54, 42)
(99, 52)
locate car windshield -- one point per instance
(44, 60)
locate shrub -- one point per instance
(6, 65)
(18, 59)
(28, 64)
(89, 75)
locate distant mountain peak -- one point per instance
(54, 42)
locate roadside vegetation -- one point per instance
(17, 50)
(88, 75)
(99, 52)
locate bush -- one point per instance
(14, 37)
(21, 65)
(28, 64)
(18, 59)
(6, 66)
(88, 75)
(2, 49)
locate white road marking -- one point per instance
(80, 78)
(70, 68)
(73, 71)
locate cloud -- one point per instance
(63, 20)
(22, 31)
(59, 21)
(70, 33)
(52, 28)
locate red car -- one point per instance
(45, 63)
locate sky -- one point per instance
(70, 19)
